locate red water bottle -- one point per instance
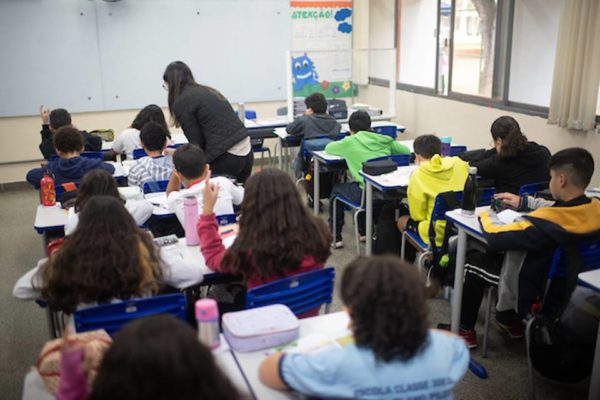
(47, 191)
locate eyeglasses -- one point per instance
(165, 86)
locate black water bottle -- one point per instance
(470, 193)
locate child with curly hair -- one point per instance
(394, 355)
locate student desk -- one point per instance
(35, 389)
(386, 182)
(49, 219)
(280, 132)
(161, 208)
(591, 279)
(328, 160)
(466, 225)
(328, 324)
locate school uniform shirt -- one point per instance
(91, 142)
(176, 271)
(140, 210)
(530, 241)
(314, 125)
(438, 175)
(150, 169)
(229, 194)
(67, 170)
(354, 373)
(363, 146)
(127, 141)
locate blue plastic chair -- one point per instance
(301, 293)
(59, 189)
(400, 160)
(388, 130)
(259, 147)
(112, 317)
(155, 186)
(440, 207)
(250, 114)
(96, 155)
(226, 219)
(139, 153)
(531, 189)
(457, 150)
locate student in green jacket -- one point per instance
(360, 146)
(435, 175)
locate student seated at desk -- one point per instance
(314, 123)
(129, 139)
(156, 166)
(435, 175)
(107, 243)
(100, 183)
(70, 166)
(277, 237)
(360, 146)
(153, 358)
(514, 161)
(394, 354)
(529, 243)
(56, 119)
(191, 170)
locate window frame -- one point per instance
(502, 62)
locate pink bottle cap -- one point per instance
(206, 310)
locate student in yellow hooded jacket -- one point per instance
(435, 175)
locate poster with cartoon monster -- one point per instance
(322, 48)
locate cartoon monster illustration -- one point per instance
(303, 72)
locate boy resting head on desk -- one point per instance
(191, 170)
(394, 353)
(435, 175)
(69, 167)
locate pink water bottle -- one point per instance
(190, 218)
(207, 316)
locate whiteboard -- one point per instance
(113, 56)
(49, 55)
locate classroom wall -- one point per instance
(20, 135)
(469, 124)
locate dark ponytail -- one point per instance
(513, 140)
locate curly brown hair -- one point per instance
(276, 229)
(386, 301)
(106, 257)
(97, 182)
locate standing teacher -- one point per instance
(208, 120)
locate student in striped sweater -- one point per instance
(156, 166)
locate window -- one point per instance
(532, 64)
(418, 42)
(473, 52)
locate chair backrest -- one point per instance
(155, 186)
(590, 256)
(531, 189)
(139, 153)
(226, 219)
(388, 130)
(257, 143)
(96, 155)
(457, 150)
(400, 159)
(250, 114)
(114, 316)
(59, 189)
(301, 293)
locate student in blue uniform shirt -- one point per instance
(395, 355)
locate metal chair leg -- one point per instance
(356, 233)
(531, 386)
(334, 219)
(327, 308)
(402, 247)
(486, 330)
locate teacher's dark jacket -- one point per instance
(208, 120)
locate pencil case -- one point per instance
(260, 328)
(379, 167)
